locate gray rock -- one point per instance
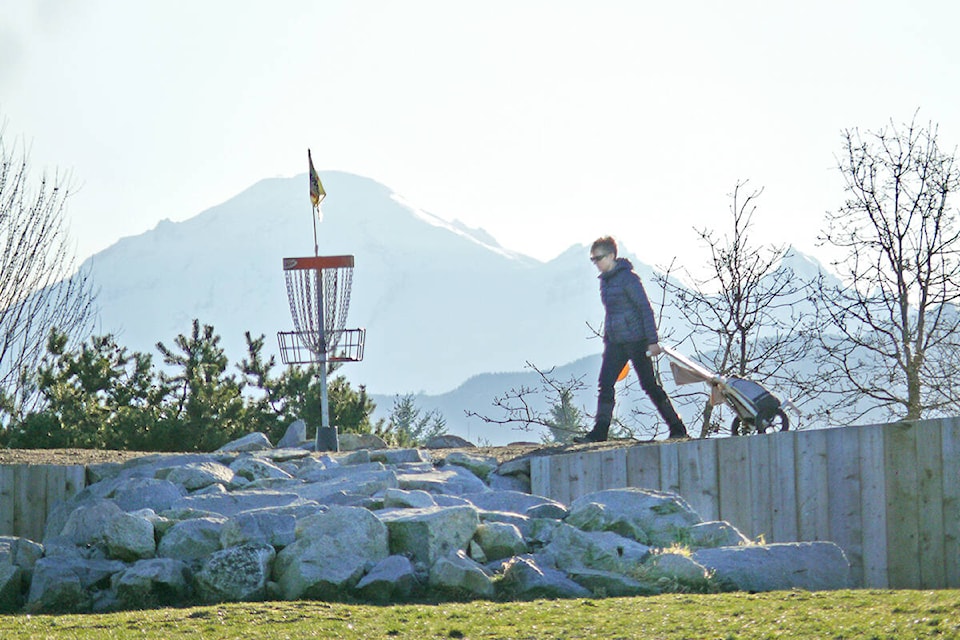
(390, 578)
(20, 552)
(11, 584)
(550, 510)
(65, 584)
(677, 567)
(814, 566)
(86, 525)
(460, 574)
(230, 504)
(605, 550)
(480, 466)
(191, 539)
(499, 540)
(610, 583)
(261, 526)
(256, 469)
(140, 493)
(522, 523)
(295, 435)
(57, 589)
(399, 456)
(715, 534)
(129, 537)
(448, 441)
(157, 582)
(451, 480)
(250, 442)
(513, 501)
(331, 553)
(407, 499)
(499, 482)
(517, 466)
(524, 577)
(430, 533)
(237, 574)
(357, 441)
(651, 517)
(197, 475)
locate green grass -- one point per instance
(792, 614)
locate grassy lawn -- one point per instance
(793, 614)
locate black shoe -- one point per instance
(590, 437)
(678, 436)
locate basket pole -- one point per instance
(326, 437)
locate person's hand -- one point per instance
(654, 349)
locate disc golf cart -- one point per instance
(757, 410)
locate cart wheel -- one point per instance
(735, 427)
(779, 422)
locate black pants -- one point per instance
(615, 356)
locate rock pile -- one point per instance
(252, 522)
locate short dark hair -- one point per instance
(606, 244)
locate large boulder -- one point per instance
(197, 475)
(653, 518)
(252, 442)
(191, 539)
(157, 582)
(480, 466)
(258, 469)
(11, 584)
(66, 584)
(450, 480)
(460, 574)
(392, 577)
(332, 551)
(134, 494)
(571, 548)
(431, 533)
(129, 537)
(524, 577)
(236, 574)
(294, 436)
(814, 566)
(499, 540)
(20, 552)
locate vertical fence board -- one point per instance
(873, 514)
(950, 458)
(812, 518)
(698, 477)
(31, 492)
(733, 467)
(575, 473)
(613, 472)
(761, 498)
(903, 535)
(843, 496)
(591, 471)
(540, 474)
(669, 467)
(7, 501)
(643, 467)
(930, 505)
(783, 489)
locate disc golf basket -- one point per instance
(318, 289)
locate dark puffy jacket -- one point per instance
(629, 317)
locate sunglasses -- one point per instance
(596, 259)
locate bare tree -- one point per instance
(39, 289)
(891, 329)
(743, 317)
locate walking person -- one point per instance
(629, 334)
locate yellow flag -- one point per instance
(316, 189)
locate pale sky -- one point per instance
(547, 123)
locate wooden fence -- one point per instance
(888, 495)
(29, 492)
